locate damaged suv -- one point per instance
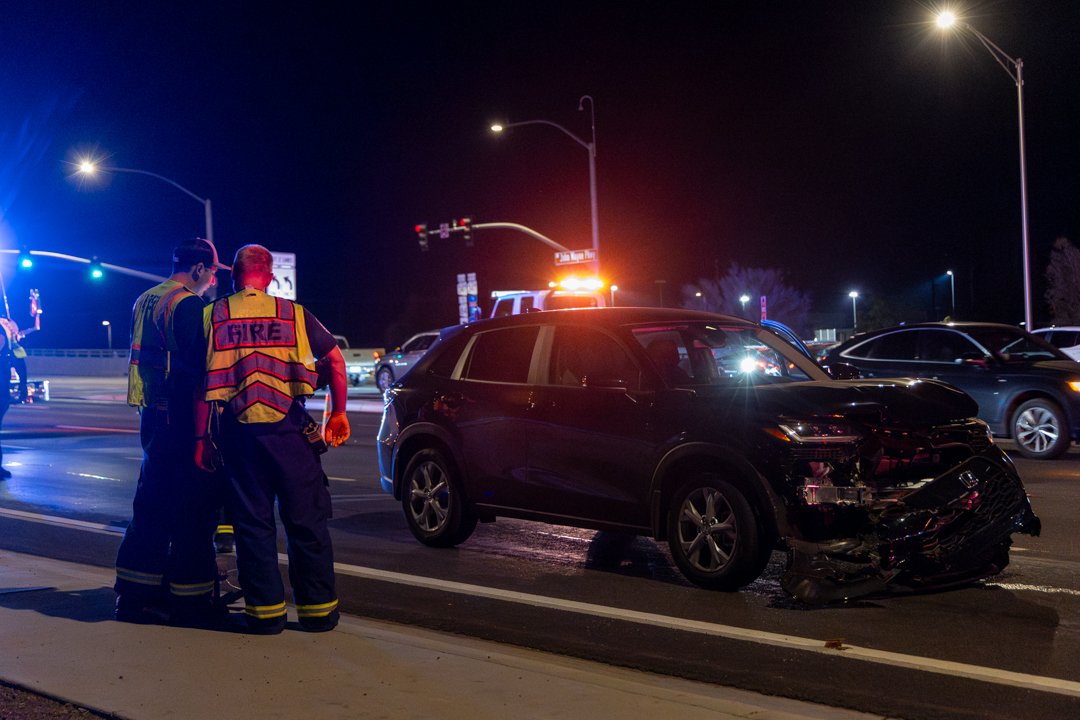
(711, 433)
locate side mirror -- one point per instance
(844, 371)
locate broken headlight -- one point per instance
(819, 431)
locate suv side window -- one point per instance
(900, 345)
(527, 303)
(501, 355)
(503, 307)
(580, 356)
(945, 346)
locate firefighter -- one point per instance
(166, 567)
(260, 363)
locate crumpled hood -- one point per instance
(900, 402)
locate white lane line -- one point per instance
(1035, 588)
(883, 657)
(914, 662)
(96, 429)
(343, 479)
(62, 522)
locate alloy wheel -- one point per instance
(708, 534)
(429, 497)
(1037, 429)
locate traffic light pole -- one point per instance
(107, 266)
(424, 233)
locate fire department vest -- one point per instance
(258, 357)
(153, 337)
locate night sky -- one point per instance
(852, 145)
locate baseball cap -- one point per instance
(198, 250)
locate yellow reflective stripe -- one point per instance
(224, 529)
(265, 612)
(139, 578)
(316, 610)
(191, 589)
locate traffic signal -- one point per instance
(421, 234)
(96, 271)
(466, 227)
(26, 261)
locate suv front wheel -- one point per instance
(714, 537)
(1040, 429)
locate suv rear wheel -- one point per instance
(1040, 429)
(714, 537)
(433, 502)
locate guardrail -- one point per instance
(76, 352)
(95, 362)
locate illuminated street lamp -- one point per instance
(108, 331)
(744, 299)
(613, 289)
(1015, 68)
(701, 295)
(952, 292)
(854, 295)
(88, 167)
(590, 147)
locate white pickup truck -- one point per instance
(359, 362)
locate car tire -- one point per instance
(714, 536)
(434, 504)
(1040, 429)
(384, 378)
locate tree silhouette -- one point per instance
(783, 302)
(1063, 283)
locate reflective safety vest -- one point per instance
(258, 357)
(153, 337)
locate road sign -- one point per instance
(572, 257)
(284, 282)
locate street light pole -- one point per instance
(1015, 68)
(952, 293)
(854, 295)
(590, 147)
(744, 299)
(108, 331)
(613, 289)
(89, 168)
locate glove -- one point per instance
(337, 429)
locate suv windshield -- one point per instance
(1016, 345)
(704, 353)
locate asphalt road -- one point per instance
(1006, 648)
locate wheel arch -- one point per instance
(680, 462)
(422, 436)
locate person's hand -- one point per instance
(337, 429)
(206, 455)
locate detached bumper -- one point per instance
(953, 530)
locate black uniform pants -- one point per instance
(168, 549)
(269, 461)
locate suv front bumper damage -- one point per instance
(951, 530)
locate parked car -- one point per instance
(709, 432)
(1066, 339)
(1026, 388)
(391, 366)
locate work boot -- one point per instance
(140, 612)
